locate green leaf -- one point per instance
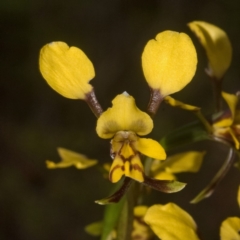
(187, 134)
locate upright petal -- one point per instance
(150, 148)
(217, 46)
(66, 69)
(169, 62)
(123, 116)
(170, 222)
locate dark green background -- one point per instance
(41, 204)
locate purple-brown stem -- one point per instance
(93, 103)
(154, 102)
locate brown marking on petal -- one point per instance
(136, 167)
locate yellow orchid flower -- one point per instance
(217, 46)
(170, 222)
(70, 158)
(190, 161)
(66, 69)
(169, 62)
(227, 125)
(124, 122)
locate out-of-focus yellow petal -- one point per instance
(170, 222)
(150, 148)
(141, 231)
(165, 176)
(94, 229)
(230, 229)
(140, 211)
(174, 103)
(217, 46)
(185, 162)
(232, 102)
(66, 69)
(123, 116)
(228, 134)
(234, 138)
(70, 158)
(169, 62)
(134, 169)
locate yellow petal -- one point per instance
(127, 151)
(135, 169)
(66, 69)
(117, 169)
(238, 196)
(94, 229)
(140, 211)
(170, 222)
(232, 101)
(131, 168)
(230, 229)
(165, 176)
(234, 138)
(185, 162)
(174, 103)
(123, 116)
(70, 158)
(169, 62)
(217, 46)
(140, 231)
(150, 148)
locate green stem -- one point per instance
(125, 223)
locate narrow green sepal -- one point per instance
(187, 134)
(167, 186)
(116, 196)
(210, 188)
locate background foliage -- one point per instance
(36, 203)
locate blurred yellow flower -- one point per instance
(70, 158)
(230, 229)
(170, 222)
(227, 125)
(66, 69)
(169, 62)
(124, 122)
(217, 46)
(190, 161)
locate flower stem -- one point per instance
(93, 103)
(154, 102)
